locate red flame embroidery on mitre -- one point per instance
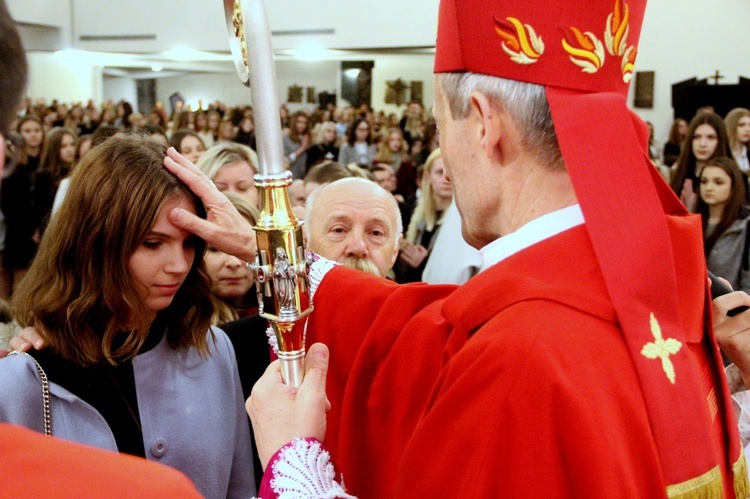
(520, 41)
(585, 50)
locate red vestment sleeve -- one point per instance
(360, 317)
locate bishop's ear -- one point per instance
(487, 118)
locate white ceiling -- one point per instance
(130, 36)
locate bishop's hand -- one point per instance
(224, 228)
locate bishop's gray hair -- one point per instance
(525, 103)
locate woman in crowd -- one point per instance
(58, 159)
(231, 278)
(413, 123)
(158, 113)
(89, 121)
(246, 133)
(437, 193)
(231, 167)
(59, 153)
(738, 130)
(393, 149)
(75, 118)
(284, 116)
(725, 221)
(296, 141)
(188, 143)
(120, 296)
(343, 118)
(124, 110)
(32, 130)
(324, 144)
(358, 147)
(226, 131)
(83, 144)
(108, 116)
(213, 121)
(706, 138)
(184, 119)
(136, 120)
(319, 116)
(49, 117)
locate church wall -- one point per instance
(681, 40)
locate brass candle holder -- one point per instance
(281, 267)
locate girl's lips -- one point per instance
(232, 280)
(168, 289)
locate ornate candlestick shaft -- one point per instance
(281, 268)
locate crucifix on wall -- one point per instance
(395, 92)
(716, 77)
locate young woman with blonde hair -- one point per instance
(737, 123)
(231, 279)
(324, 144)
(437, 193)
(231, 166)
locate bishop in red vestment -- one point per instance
(581, 362)
(518, 384)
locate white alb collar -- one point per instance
(533, 232)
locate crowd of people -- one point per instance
(127, 237)
(50, 139)
(707, 166)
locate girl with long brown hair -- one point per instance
(725, 221)
(121, 298)
(706, 139)
(296, 142)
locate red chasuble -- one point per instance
(517, 384)
(35, 466)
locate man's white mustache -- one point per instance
(364, 264)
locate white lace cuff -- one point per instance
(273, 341)
(734, 379)
(318, 270)
(303, 470)
(740, 402)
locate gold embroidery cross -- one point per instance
(661, 349)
